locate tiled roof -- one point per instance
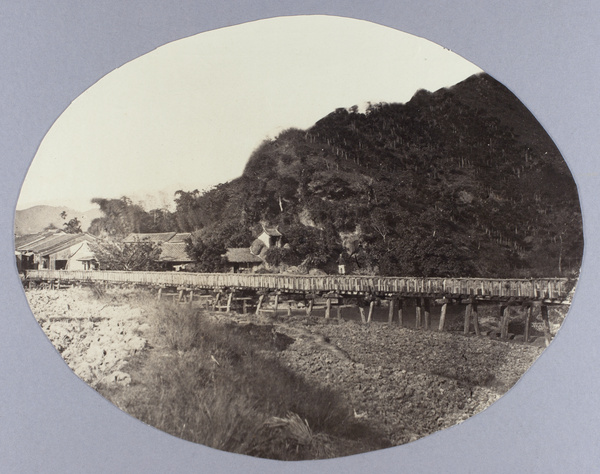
(55, 243)
(152, 237)
(180, 238)
(241, 255)
(174, 252)
(29, 239)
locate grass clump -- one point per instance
(221, 385)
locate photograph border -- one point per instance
(546, 55)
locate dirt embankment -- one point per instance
(95, 338)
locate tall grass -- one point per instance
(221, 386)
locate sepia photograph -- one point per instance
(296, 246)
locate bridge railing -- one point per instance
(553, 288)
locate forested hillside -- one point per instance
(459, 182)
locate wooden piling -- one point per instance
(229, 299)
(426, 312)
(504, 322)
(217, 299)
(467, 326)
(159, 295)
(276, 304)
(528, 321)
(547, 333)
(259, 304)
(327, 308)
(361, 310)
(400, 314)
(180, 296)
(371, 307)
(191, 297)
(391, 311)
(442, 324)
(475, 316)
(309, 308)
(418, 314)
(339, 310)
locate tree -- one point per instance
(120, 217)
(142, 255)
(72, 226)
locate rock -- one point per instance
(121, 378)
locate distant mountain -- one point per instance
(37, 218)
(459, 182)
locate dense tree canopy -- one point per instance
(458, 182)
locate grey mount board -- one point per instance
(546, 53)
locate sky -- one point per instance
(189, 114)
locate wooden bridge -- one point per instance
(252, 289)
(550, 289)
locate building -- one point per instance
(242, 260)
(250, 259)
(173, 247)
(270, 236)
(55, 250)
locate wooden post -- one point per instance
(328, 308)
(289, 308)
(418, 314)
(244, 306)
(547, 333)
(468, 309)
(229, 299)
(427, 312)
(339, 309)
(259, 304)
(391, 311)
(309, 308)
(180, 296)
(504, 322)
(528, 323)
(400, 315)
(475, 316)
(442, 325)
(216, 302)
(371, 306)
(361, 310)
(159, 296)
(276, 304)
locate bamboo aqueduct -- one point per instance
(223, 291)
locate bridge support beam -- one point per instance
(528, 321)
(442, 325)
(504, 313)
(426, 312)
(475, 316)
(371, 307)
(418, 313)
(400, 315)
(547, 333)
(391, 310)
(259, 304)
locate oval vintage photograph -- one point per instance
(299, 238)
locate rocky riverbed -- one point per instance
(96, 338)
(405, 382)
